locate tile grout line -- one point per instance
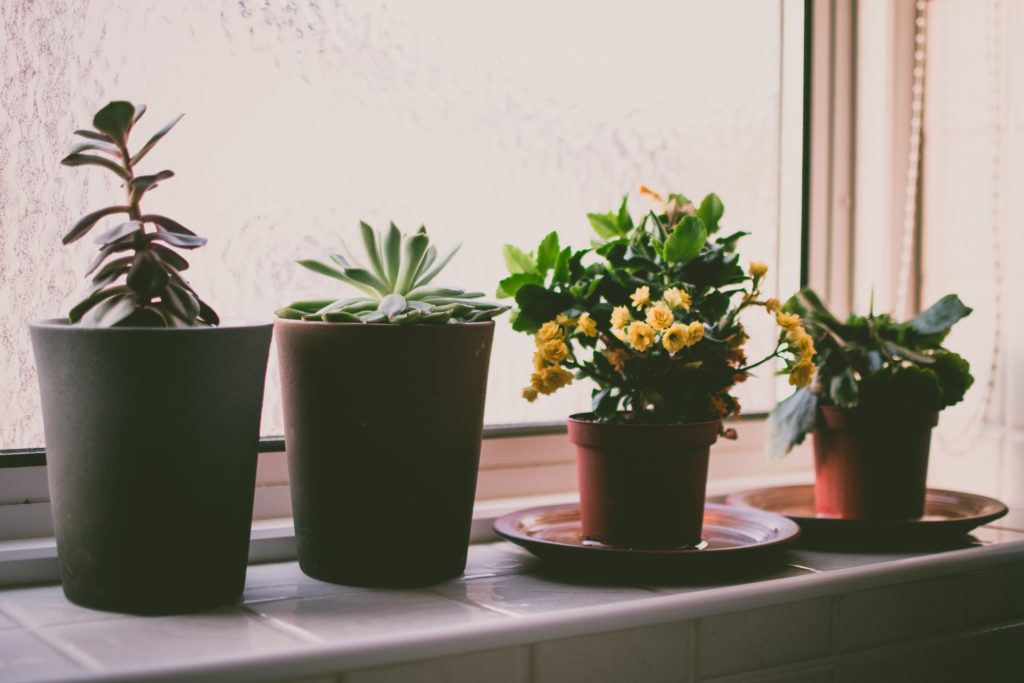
(70, 652)
(300, 634)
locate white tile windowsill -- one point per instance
(506, 620)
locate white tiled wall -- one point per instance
(973, 175)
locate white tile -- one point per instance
(370, 612)
(933, 662)
(993, 656)
(824, 561)
(153, 641)
(527, 594)
(995, 595)
(509, 665)
(23, 657)
(45, 606)
(651, 654)
(496, 558)
(906, 610)
(818, 673)
(7, 622)
(759, 638)
(285, 581)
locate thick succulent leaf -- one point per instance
(207, 314)
(175, 239)
(140, 109)
(142, 183)
(146, 277)
(95, 145)
(686, 241)
(373, 317)
(181, 303)
(428, 292)
(940, 316)
(366, 280)
(322, 269)
(93, 135)
(115, 120)
(289, 313)
(86, 222)
(371, 243)
(155, 139)
(413, 249)
(168, 224)
(123, 244)
(392, 304)
(341, 261)
(117, 267)
(340, 317)
(93, 160)
(428, 261)
(791, 421)
(392, 254)
(405, 318)
(119, 231)
(79, 309)
(427, 277)
(312, 305)
(110, 311)
(170, 257)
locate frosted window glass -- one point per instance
(488, 122)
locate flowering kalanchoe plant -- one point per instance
(869, 361)
(650, 313)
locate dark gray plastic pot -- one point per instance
(151, 445)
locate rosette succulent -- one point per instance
(136, 277)
(395, 284)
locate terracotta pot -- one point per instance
(383, 427)
(871, 465)
(152, 437)
(642, 486)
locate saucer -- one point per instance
(948, 516)
(553, 533)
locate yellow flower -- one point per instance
(659, 316)
(616, 358)
(696, 331)
(563, 319)
(548, 331)
(538, 362)
(554, 351)
(550, 380)
(587, 325)
(800, 375)
(641, 297)
(772, 305)
(801, 342)
(530, 394)
(677, 298)
(640, 336)
(758, 269)
(648, 192)
(620, 317)
(787, 321)
(676, 338)
(718, 406)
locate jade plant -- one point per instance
(871, 362)
(136, 277)
(395, 284)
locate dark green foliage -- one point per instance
(152, 292)
(876, 363)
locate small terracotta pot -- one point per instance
(871, 465)
(383, 427)
(642, 486)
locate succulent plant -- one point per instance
(396, 285)
(152, 292)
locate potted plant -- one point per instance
(384, 403)
(651, 314)
(151, 409)
(880, 387)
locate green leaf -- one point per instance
(843, 389)
(361, 276)
(181, 303)
(537, 306)
(146, 277)
(547, 252)
(142, 183)
(562, 266)
(686, 241)
(371, 244)
(604, 404)
(116, 120)
(623, 221)
(153, 140)
(93, 135)
(86, 222)
(92, 160)
(392, 304)
(119, 231)
(312, 305)
(791, 421)
(288, 313)
(207, 314)
(414, 247)
(433, 272)
(95, 145)
(518, 261)
(170, 257)
(393, 254)
(606, 225)
(340, 317)
(510, 285)
(166, 223)
(903, 352)
(322, 269)
(175, 239)
(710, 211)
(110, 311)
(941, 316)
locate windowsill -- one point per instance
(504, 609)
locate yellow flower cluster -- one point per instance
(801, 372)
(659, 319)
(758, 269)
(552, 345)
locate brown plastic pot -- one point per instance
(383, 426)
(152, 437)
(871, 465)
(642, 486)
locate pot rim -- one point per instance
(837, 417)
(576, 417)
(63, 324)
(289, 322)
